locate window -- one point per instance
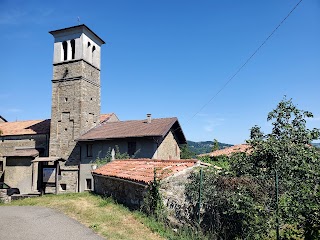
(1, 166)
(89, 150)
(88, 184)
(132, 148)
(63, 186)
(65, 50)
(73, 48)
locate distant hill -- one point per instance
(204, 147)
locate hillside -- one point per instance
(204, 147)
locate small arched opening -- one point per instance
(65, 50)
(73, 48)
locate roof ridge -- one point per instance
(26, 121)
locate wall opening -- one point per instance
(93, 52)
(89, 150)
(88, 184)
(65, 50)
(73, 48)
(1, 166)
(63, 186)
(132, 148)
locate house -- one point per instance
(150, 138)
(128, 180)
(56, 155)
(245, 148)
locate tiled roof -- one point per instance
(2, 119)
(29, 152)
(142, 170)
(30, 127)
(25, 127)
(105, 117)
(228, 151)
(134, 128)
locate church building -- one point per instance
(57, 155)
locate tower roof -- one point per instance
(81, 28)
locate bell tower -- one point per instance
(75, 89)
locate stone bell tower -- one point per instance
(75, 89)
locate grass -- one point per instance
(103, 216)
(107, 218)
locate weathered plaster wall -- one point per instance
(18, 173)
(10, 143)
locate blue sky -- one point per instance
(169, 58)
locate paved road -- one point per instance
(33, 223)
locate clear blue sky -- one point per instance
(169, 58)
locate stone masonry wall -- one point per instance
(172, 190)
(75, 110)
(124, 192)
(168, 149)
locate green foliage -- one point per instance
(220, 161)
(240, 203)
(232, 207)
(152, 202)
(186, 153)
(288, 150)
(215, 146)
(108, 157)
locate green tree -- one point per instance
(240, 203)
(185, 152)
(287, 150)
(215, 145)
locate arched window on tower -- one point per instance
(65, 50)
(93, 52)
(73, 48)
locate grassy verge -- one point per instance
(103, 216)
(107, 218)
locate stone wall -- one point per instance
(172, 190)
(129, 193)
(168, 148)
(4, 198)
(69, 179)
(75, 110)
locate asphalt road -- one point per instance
(33, 223)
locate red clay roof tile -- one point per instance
(25, 127)
(228, 151)
(142, 170)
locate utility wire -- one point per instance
(245, 63)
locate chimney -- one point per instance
(148, 117)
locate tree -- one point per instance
(186, 153)
(215, 145)
(287, 151)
